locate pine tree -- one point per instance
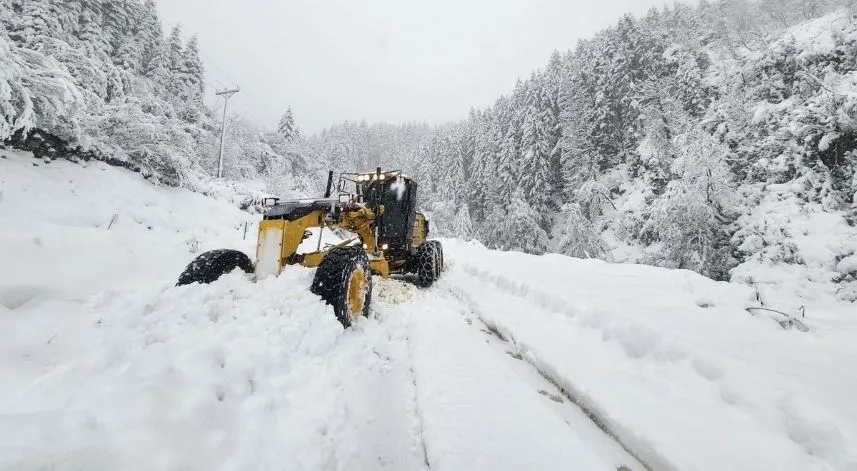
(192, 71)
(581, 162)
(125, 19)
(492, 231)
(287, 127)
(579, 237)
(175, 63)
(463, 225)
(536, 174)
(154, 61)
(691, 218)
(92, 35)
(120, 21)
(128, 56)
(156, 67)
(454, 170)
(553, 84)
(508, 167)
(481, 187)
(522, 230)
(35, 23)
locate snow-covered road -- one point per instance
(509, 362)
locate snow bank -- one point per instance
(104, 364)
(795, 248)
(672, 362)
(70, 226)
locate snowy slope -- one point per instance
(510, 362)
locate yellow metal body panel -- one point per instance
(313, 259)
(279, 240)
(269, 247)
(291, 233)
(380, 267)
(419, 230)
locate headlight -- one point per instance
(385, 247)
(365, 247)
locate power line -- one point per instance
(222, 85)
(208, 59)
(219, 82)
(213, 87)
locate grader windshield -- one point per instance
(397, 193)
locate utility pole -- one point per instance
(226, 94)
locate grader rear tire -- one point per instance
(210, 266)
(344, 281)
(427, 263)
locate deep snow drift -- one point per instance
(104, 364)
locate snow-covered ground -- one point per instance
(672, 363)
(509, 362)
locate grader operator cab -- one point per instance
(388, 236)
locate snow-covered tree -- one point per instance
(175, 63)
(96, 79)
(522, 230)
(579, 237)
(536, 176)
(34, 23)
(192, 71)
(154, 55)
(35, 92)
(690, 219)
(287, 127)
(463, 225)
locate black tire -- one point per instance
(210, 266)
(438, 253)
(344, 281)
(426, 263)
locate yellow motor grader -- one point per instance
(389, 236)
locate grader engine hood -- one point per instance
(294, 210)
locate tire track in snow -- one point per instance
(567, 390)
(482, 409)
(391, 292)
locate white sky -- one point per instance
(381, 60)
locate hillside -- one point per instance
(99, 80)
(687, 138)
(717, 138)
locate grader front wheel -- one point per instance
(211, 265)
(344, 281)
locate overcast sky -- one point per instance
(381, 60)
